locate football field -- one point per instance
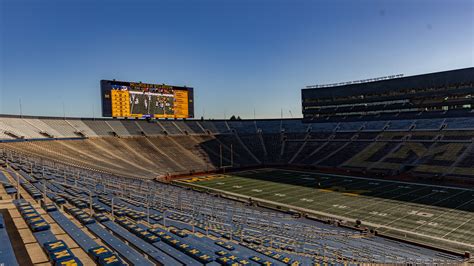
(434, 215)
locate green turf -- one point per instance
(429, 211)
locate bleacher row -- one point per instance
(440, 153)
(144, 223)
(46, 128)
(169, 147)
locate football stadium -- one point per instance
(376, 172)
(236, 132)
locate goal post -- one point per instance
(221, 158)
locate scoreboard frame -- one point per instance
(110, 89)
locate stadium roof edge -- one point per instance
(309, 87)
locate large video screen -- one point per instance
(141, 100)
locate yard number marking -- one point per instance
(423, 214)
(423, 222)
(383, 214)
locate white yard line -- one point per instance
(372, 179)
(444, 213)
(457, 227)
(334, 182)
(390, 200)
(361, 198)
(325, 214)
(402, 217)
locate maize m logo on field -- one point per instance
(411, 152)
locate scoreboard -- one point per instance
(141, 100)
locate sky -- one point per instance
(242, 57)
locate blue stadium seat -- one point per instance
(7, 255)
